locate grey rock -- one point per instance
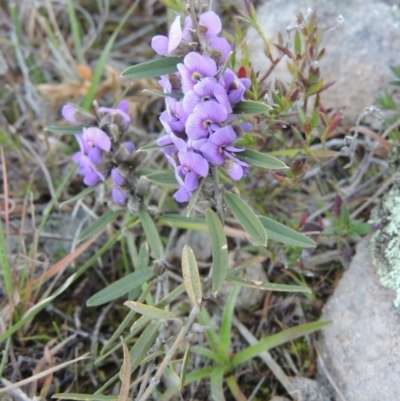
(360, 349)
(358, 53)
(198, 241)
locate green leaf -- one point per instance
(198, 374)
(121, 287)
(68, 130)
(297, 42)
(361, 228)
(184, 366)
(164, 179)
(259, 159)
(251, 107)
(188, 223)
(150, 146)
(143, 344)
(219, 248)
(278, 232)
(176, 95)
(85, 397)
(217, 382)
(226, 324)
(5, 267)
(81, 195)
(151, 232)
(259, 285)
(125, 374)
(246, 217)
(99, 224)
(191, 277)
(153, 68)
(345, 216)
(207, 353)
(275, 340)
(143, 259)
(150, 311)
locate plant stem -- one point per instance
(219, 204)
(169, 355)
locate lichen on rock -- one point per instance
(385, 242)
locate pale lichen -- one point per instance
(385, 242)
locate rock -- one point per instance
(358, 53)
(198, 241)
(360, 348)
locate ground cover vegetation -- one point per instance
(128, 130)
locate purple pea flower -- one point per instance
(207, 89)
(234, 86)
(164, 45)
(91, 176)
(195, 67)
(121, 110)
(222, 45)
(209, 23)
(182, 194)
(217, 149)
(116, 177)
(68, 112)
(192, 166)
(205, 117)
(235, 168)
(118, 196)
(94, 142)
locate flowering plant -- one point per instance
(209, 102)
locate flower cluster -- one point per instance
(101, 155)
(199, 122)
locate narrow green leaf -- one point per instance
(297, 42)
(219, 248)
(81, 195)
(191, 277)
(165, 179)
(85, 397)
(76, 31)
(143, 259)
(5, 266)
(188, 223)
(153, 68)
(184, 366)
(211, 334)
(150, 311)
(217, 384)
(207, 353)
(278, 232)
(65, 129)
(251, 107)
(125, 373)
(143, 344)
(226, 324)
(246, 217)
(150, 146)
(259, 285)
(177, 95)
(151, 232)
(99, 224)
(275, 340)
(199, 374)
(120, 287)
(259, 159)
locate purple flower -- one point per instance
(182, 195)
(116, 176)
(164, 45)
(234, 86)
(86, 168)
(195, 67)
(121, 110)
(192, 166)
(235, 168)
(68, 112)
(94, 142)
(209, 23)
(222, 45)
(207, 89)
(216, 149)
(118, 196)
(205, 116)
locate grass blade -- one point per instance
(278, 232)
(99, 224)
(85, 397)
(143, 344)
(191, 277)
(246, 217)
(275, 340)
(217, 384)
(5, 267)
(268, 286)
(151, 233)
(219, 248)
(150, 311)
(120, 287)
(75, 28)
(125, 374)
